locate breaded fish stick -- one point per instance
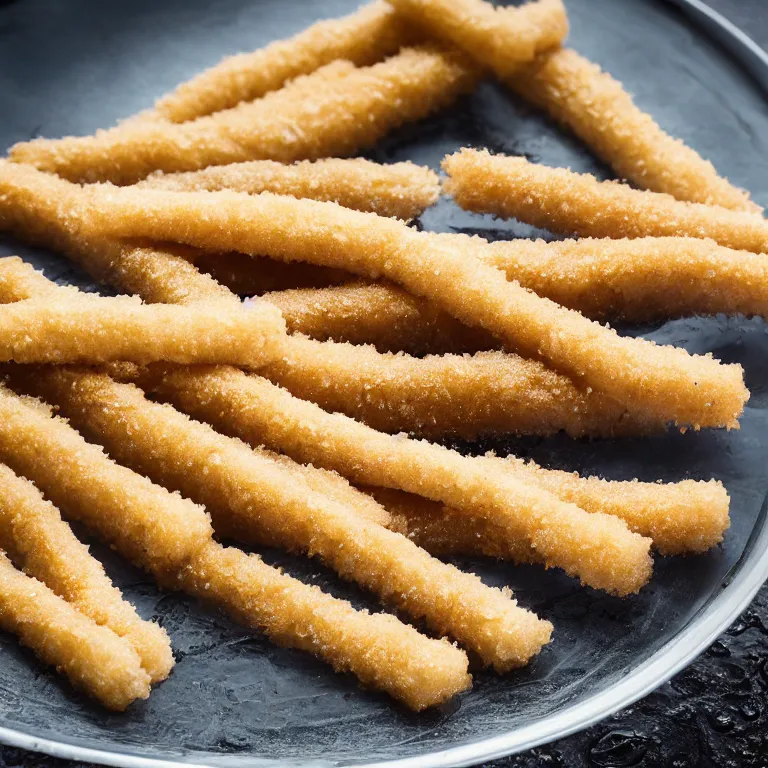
(683, 517)
(258, 499)
(43, 545)
(578, 94)
(650, 278)
(577, 203)
(662, 381)
(597, 548)
(485, 394)
(93, 658)
(381, 314)
(381, 651)
(503, 39)
(151, 526)
(401, 190)
(171, 537)
(96, 329)
(363, 37)
(337, 110)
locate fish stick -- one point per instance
(599, 549)
(595, 106)
(576, 203)
(363, 37)
(381, 651)
(258, 499)
(93, 658)
(96, 329)
(400, 190)
(651, 278)
(502, 39)
(43, 545)
(152, 527)
(489, 393)
(170, 537)
(339, 109)
(663, 381)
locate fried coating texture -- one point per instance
(43, 545)
(258, 499)
(93, 658)
(503, 39)
(599, 549)
(665, 382)
(154, 528)
(574, 203)
(96, 329)
(595, 106)
(380, 314)
(651, 278)
(340, 109)
(381, 651)
(400, 190)
(171, 537)
(488, 393)
(363, 37)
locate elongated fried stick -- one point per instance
(260, 500)
(665, 382)
(503, 39)
(171, 537)
(487, 393)
(576, 203)
(363, 37)
(381, 314)
(152, 526)
(383, 652)
(650, 278)
(339, 109)
(577, 93)
(94, 658)
(96, 329)
(43, 545)
(401, 190)
(597, 548)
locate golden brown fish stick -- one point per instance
(363, 37)
(257, 499)
(152, 526)
(171, 537)
(578, 94)
(500, 38)
(43, 545)
(577, 203)
(665, 382)
(338, 109)
(95, 329)
(597, 548)
(650, 278)
(401, 190)
(94, 658)
(687, 516)
(466, 396)
(381, 651)
(381, 314)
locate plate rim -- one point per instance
(736, 593)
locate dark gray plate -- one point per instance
(234, 699)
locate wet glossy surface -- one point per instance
(233, 697)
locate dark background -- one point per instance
(715, 713)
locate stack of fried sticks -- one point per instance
(280, 421)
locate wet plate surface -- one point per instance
(233, 698)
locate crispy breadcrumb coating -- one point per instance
(579, 204)
(578, 94)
